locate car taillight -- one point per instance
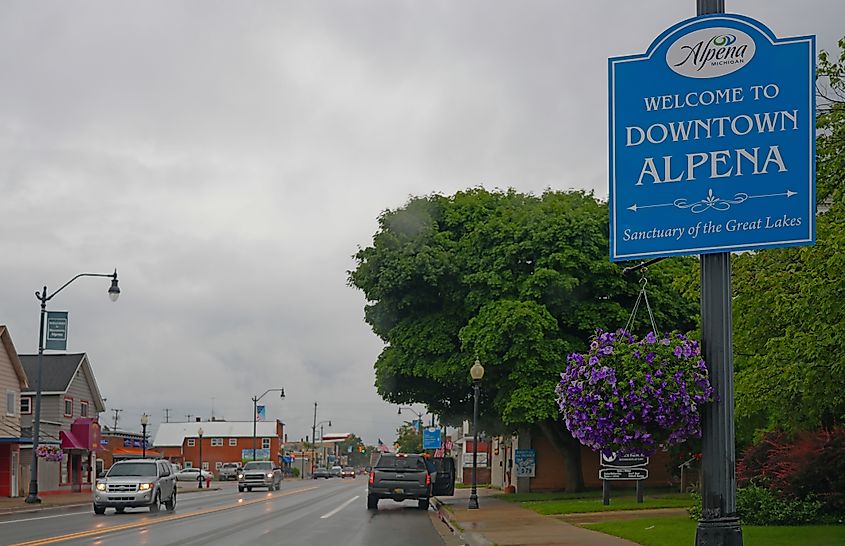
(427, 478)
(372, 477)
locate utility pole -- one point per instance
(313, 438)
(166, 415)
(116, 417)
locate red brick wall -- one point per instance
(551, 468)
(225, 453)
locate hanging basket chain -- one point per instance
(642, 296)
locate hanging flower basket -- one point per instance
(633, 396)
(50, 453)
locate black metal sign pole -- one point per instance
(719, 524)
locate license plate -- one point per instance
(398, 490)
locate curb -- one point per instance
(465, 539)
(444, 516)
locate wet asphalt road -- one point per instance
(312, 512)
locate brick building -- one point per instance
(222, 442)
(116, 445)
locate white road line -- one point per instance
(45, 517)
(341, 507)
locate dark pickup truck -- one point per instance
(401, 476)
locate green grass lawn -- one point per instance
(672, 531)
(583, 505)
(590, 494)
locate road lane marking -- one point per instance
(339, 508)
(45, 517)
(156, 521)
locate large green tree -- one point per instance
(789, 304)
(515, 280)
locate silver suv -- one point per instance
(259, 474)
(229, 471)
(136, 483)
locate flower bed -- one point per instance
(633, 396)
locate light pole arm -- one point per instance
(45, 298)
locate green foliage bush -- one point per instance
(761, 506)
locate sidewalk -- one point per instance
(506, 523)
(67, 500)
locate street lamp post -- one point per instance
(44, 297)
(255, 400)
(320, 424)
(419, 415)
(145, 420)
(476, 372)
(199, 479)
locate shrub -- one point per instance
(757, 505)
(807, 466)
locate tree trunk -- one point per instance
(560, 438)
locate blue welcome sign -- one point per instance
(712, 141)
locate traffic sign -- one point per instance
(623, 473)
(623, 461)
(712, 141)
(432, 438)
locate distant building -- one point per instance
(117, 445)
(222, 442)
(12, 382)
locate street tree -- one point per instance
(408, 439)
(517, 281)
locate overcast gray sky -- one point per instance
(230, 157)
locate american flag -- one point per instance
(382, 448)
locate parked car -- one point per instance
(193, 475)
(136, 483)
(335, 472)
(321, 473)
(229, 471)
(347, 472)
(401, 476)
(260, 474)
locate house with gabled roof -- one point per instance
(12, 382)
(70, 406)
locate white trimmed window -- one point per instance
(189, 464)
(205, 465)
(218, 465)
(68, 406)
(192, 442)
(217, 442)
(83, 408)
(26, 405)
(265, 443)
(11, 403)
(233, 442)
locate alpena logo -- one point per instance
(711, 52)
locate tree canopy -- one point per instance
(789, 315)
(517, 281)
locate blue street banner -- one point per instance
(56, 331)
(712, 141)
(417, 424)
(432, 438)
(260, 413)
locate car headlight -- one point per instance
(240, 476)
(101, 487)
(269, 474)
(145, 487)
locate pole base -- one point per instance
(32, 499)
(719, 532)
(473, 502)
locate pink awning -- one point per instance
(69, 441)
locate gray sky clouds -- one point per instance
(230, 157)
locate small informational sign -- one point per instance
(623, 461)
(262, 454)
(525, 461)
(636, 473)
(56, 331)
(712, 141)
(432, 438)
(482, 459)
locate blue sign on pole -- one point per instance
(432, 438)
(712, 141)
